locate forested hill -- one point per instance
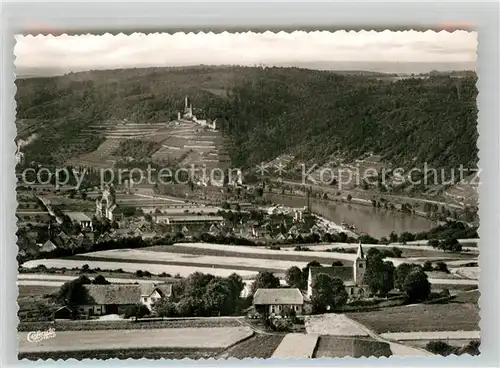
(314, 114)
(266, 112)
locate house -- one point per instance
(280, 237)
(116, 298)
(48, 246)
(352, 276)
(62, 313)
(151, 293)
(277, 302)
(109, 299)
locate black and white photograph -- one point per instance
(247, 195)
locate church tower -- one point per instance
(359, 266)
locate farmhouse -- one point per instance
(115, 298)
(351, 276)
(277, 302)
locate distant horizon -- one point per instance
(403, 68)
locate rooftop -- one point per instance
(78, 216)
(277, 296)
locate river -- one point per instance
(376, 222)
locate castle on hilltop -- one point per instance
(189, 115)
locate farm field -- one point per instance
(332, 324)
(296, 345)
(158, 353)
(185, 338)
(186, 263)
(255, 250)
(92, 325)
(36, 290)
(339, 347)
(468, 272)
(183, 271)
(258, 346)
(421, 317)
(409, 251)
(143, 255)
(124, 278)
(228, 252)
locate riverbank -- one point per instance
(376, 222)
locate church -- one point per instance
(352, 276)
(106, 206)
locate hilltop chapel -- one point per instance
(352, 276)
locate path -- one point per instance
(296, 345)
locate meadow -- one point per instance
(421, 317)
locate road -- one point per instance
(334, 190)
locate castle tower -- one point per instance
(359, 266)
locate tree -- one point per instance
(337, 264)
(427, 266)
(349, 197)
(400, 274)
(442, 267)
(73, 293)
(265, 280)
(137, 311)
(393, 237)
(397, 252)
(100, 280)
(236, 285)
(433, 243)
(379, 275)
(328, 293)
(305, 271)
(294, 278)
(218, 298)
(416, 285)
(164, 308)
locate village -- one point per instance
(220, 257)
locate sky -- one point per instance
(87, 52)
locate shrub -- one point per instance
(440, 348)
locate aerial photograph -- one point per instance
(247, 195)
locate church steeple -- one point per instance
(360, 254)
(359, 266)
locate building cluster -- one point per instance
(37, 241)
(189, 115)
(276, 302)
